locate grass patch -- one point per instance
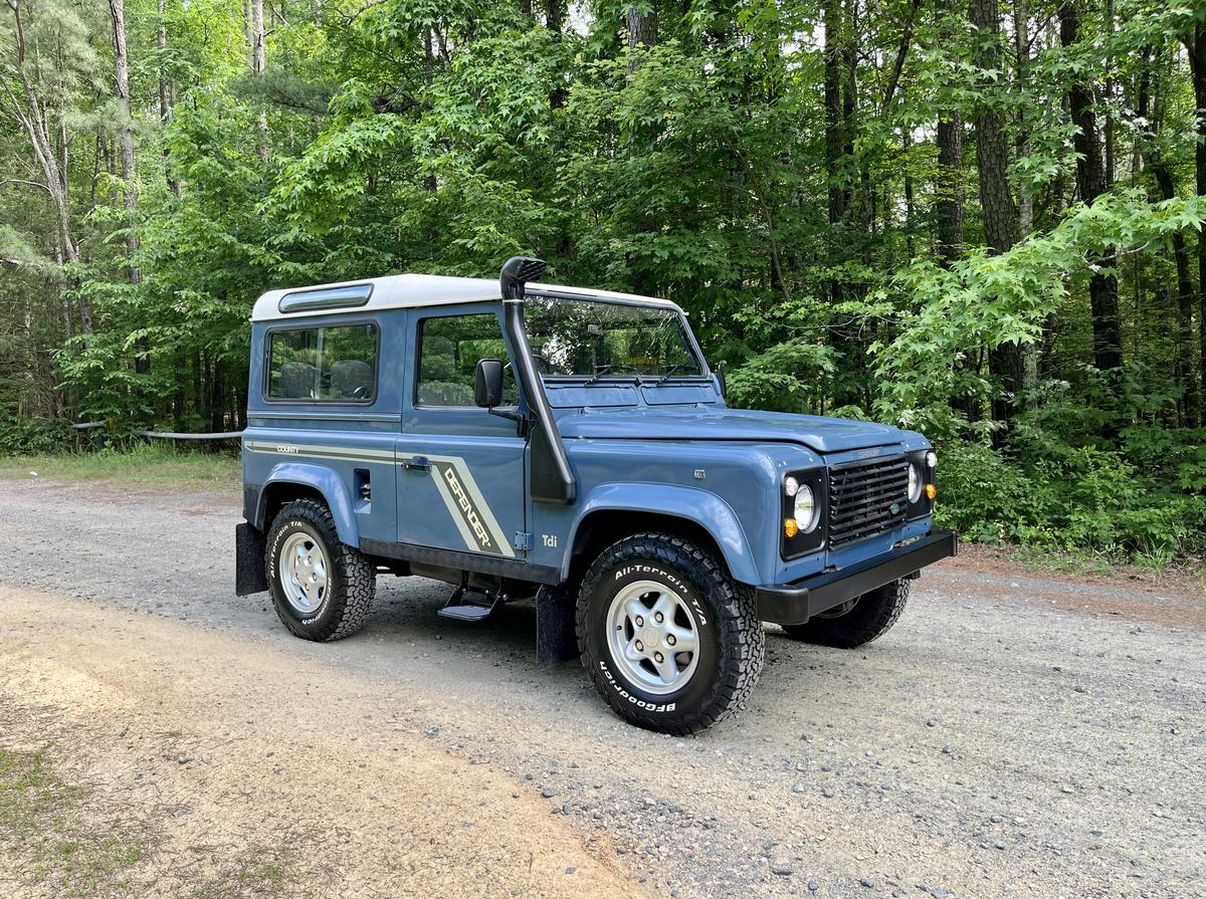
(149, 463)
(1186, 574)
(44, 835)
(57, 840)
(1065, 562)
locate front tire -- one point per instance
(321, 588)
(868, 618)
(669, 639)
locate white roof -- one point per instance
(415, 291)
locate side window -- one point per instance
(329, 364)
(449, 347)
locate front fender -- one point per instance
(326, 482)
(701, 507)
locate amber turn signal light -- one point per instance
(790, 528)
(930, 491)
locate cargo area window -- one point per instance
(331, 364)
(449, 348)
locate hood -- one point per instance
(823, 435)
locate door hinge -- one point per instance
(523, 540)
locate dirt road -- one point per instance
(1013, 735)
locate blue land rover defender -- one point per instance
(520, 440)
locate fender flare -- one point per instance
(326, 482)
(701, 507)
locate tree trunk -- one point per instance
(839, 126)
(167, 92)
(1090, 184)
(1021, 44)
(849, 52)
(554, 15)
(642, 30)
(1185, 373)
(1029, 362)
(1198, 67)
(1001, 222)
(121, 85)
(1107, 89)
(948, 190)
(217, 397)
(833, 115)
(258, 63)
(642, 26)
(902, 53)
(908, 194)
(32, 113)
(555, 21)
(949, 202)
(198, 384)
(121, 88)
(1001, 229)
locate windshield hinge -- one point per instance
(523, 541)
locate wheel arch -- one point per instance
(620, 510)
(289, 481)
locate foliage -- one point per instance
(1079, 498)
(989, 300)
(21, 436)
(776, 168)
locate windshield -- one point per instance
(593, 339)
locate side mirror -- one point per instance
(721, 381)
(488, 383)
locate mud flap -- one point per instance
(555, 638)
(250, 546)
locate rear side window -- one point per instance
(449, 348)
(336, 364)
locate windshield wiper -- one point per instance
(674, 371)
(602, 370)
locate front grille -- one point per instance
(867, 498)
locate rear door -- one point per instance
(460, 469)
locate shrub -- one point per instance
(30, 436)
(1076, 498)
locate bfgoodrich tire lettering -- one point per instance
(351, 579)
(730, 640)
(870, 617)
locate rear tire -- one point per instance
(645, 671)
(321, 588)
(868, 619)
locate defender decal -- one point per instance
(470, 512)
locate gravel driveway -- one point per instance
(995, 742)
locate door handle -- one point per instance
(417, 463)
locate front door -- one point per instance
(460, 469)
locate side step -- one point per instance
(461, 608)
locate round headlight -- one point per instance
(914, 483)
(931, 459)
(790, 486)
(806, 512)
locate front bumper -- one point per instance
(795, 603)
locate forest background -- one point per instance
(978, 219)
